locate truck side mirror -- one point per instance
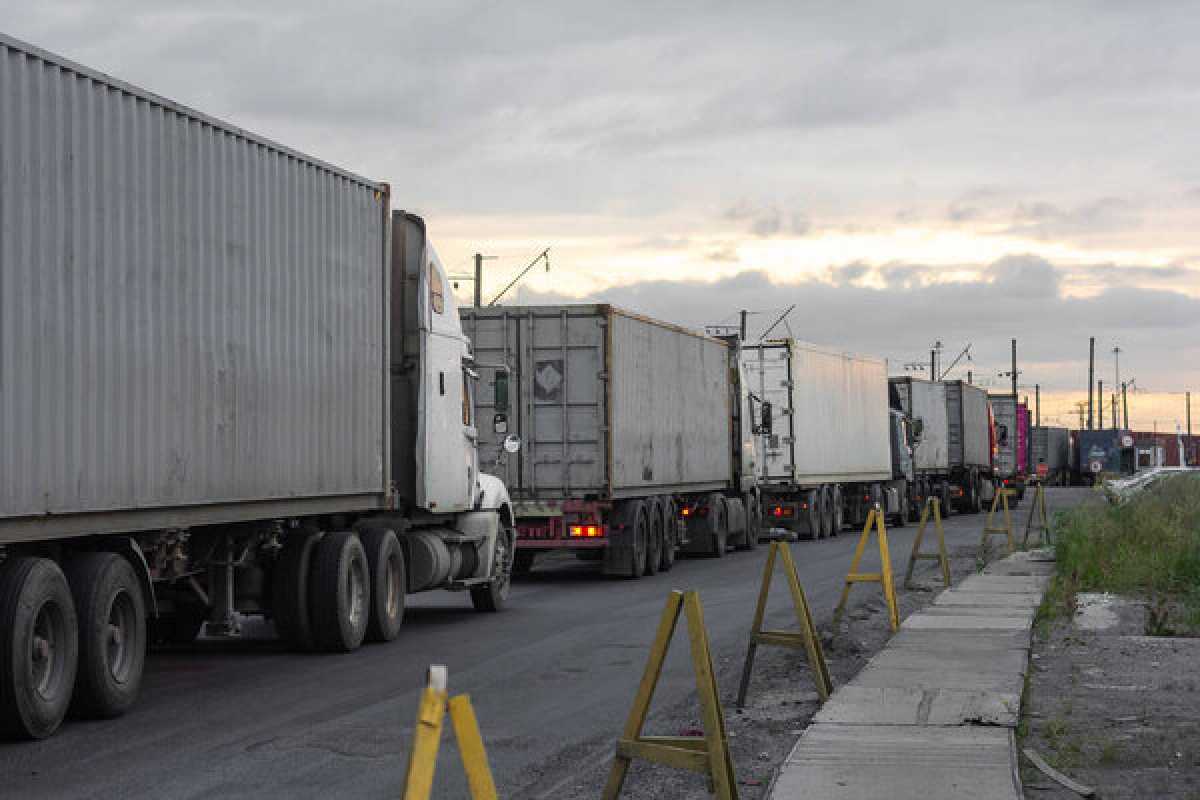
(500, 396)
(765, 421)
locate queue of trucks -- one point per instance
(235, 382)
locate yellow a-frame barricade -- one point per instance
(707, 754)
(805, 638)
(1038, 510)
(883, 577)
(427, 739)
(1000, 501)
(933, 507)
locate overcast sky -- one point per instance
(903, 173)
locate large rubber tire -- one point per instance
(389, 579)
(654, 536)
(523, 561)
(718, 525)
(946, 499)
(670, 523)
(753, 521)
(813, 513)
(290, 588)
(39, 647)
(827, 513)
(339, 593)
(638, 539)
(839, 510)
(492, 596)
(111, 613)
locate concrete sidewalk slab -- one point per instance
(889, 705)
(857, 762)
(923, 621)
(910, 669)
(957, 597)
(926, 639)
(1020, 584)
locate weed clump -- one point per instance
(1149, 546)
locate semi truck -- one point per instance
(1049, 453)
(233, 382)
(925, 406)
(970, 438)
(831, 445)
(635, 437)
(1012, 451)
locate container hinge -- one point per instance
(602, 376)
(787, 384)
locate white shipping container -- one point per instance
(830, 413)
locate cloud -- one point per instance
(768, 220)
(1043, 220)
(901, 320)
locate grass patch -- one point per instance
(1149, 545)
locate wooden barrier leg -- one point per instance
(812, 645)
(858, 554)
(916, 548)
(759, 612)
(1012, 544)
(641, 703)
(470, 747)
(941, 532)
(427, 737)
(889, 588)
(717, 739)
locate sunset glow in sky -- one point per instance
(962, 172)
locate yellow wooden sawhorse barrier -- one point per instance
(933, 507)
(999, 501)
(1038, 509)
(707, 754)
(806, 638)
(427, 738)
(883, 577)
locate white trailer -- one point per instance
(232, 381)
(632, 438)
(830, 446)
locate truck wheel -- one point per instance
(670, 526)
(638, 540)
(753, 522)
(39, 647)
(718, 524)
(977, 495)
(492, 596)
(290, 582)
(523, 562)
(389, 580)
(839, 511)
(812, 499)
(654, 536)
(827, 512)
(947, 501)
(111, 612)
(339, 592)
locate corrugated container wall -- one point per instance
(1050, 447)
(1004, 408)
(606, 403)
(967, 416)
(926, 401)
(188, 314)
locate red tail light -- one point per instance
(587, 531)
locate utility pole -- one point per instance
(1189, 412)
(1091, 376)
(742, 328)
(970, 377)
(1115, 410)
(1125, 404)
(1037, 404)
(1100, 405)
(933, 365)
(1081, 407)
(1014, 370)
(478, 280)
(1117, 358)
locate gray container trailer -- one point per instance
(614, 410)
(222, 362)
(969, 420)
(1050, 446)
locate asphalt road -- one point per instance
(551, 679)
